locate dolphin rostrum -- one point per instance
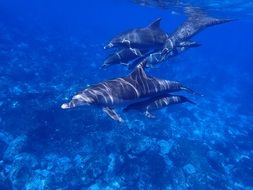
(124, 90)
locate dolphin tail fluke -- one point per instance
(191, 91)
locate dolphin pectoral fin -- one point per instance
(191, 91)
(149, 115)
(112, 114)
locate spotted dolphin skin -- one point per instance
(180, 40)
(124, 90)
(195, 22)
(158, 45)
(156, 103)
(151, 36)
(131, 56)
(155, 58)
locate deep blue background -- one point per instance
(49, 50)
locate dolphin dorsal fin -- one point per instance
(155, 25)
(138, 72)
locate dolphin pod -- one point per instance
(140, 48)
(158, 45)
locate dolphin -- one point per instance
(122, 56)
(124, 90)
(131, 56)
(196, 22)
(156, 103)
(155, 58)
(151, 36)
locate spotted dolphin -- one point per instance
(196, 22)
(124, 90)
(123, 57)
(156, 103)
(155, 58)
(151, 36)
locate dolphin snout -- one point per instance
(104, 66)
(110, 45)
(108, 62)
(65, 106)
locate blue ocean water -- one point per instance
(50, 50)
